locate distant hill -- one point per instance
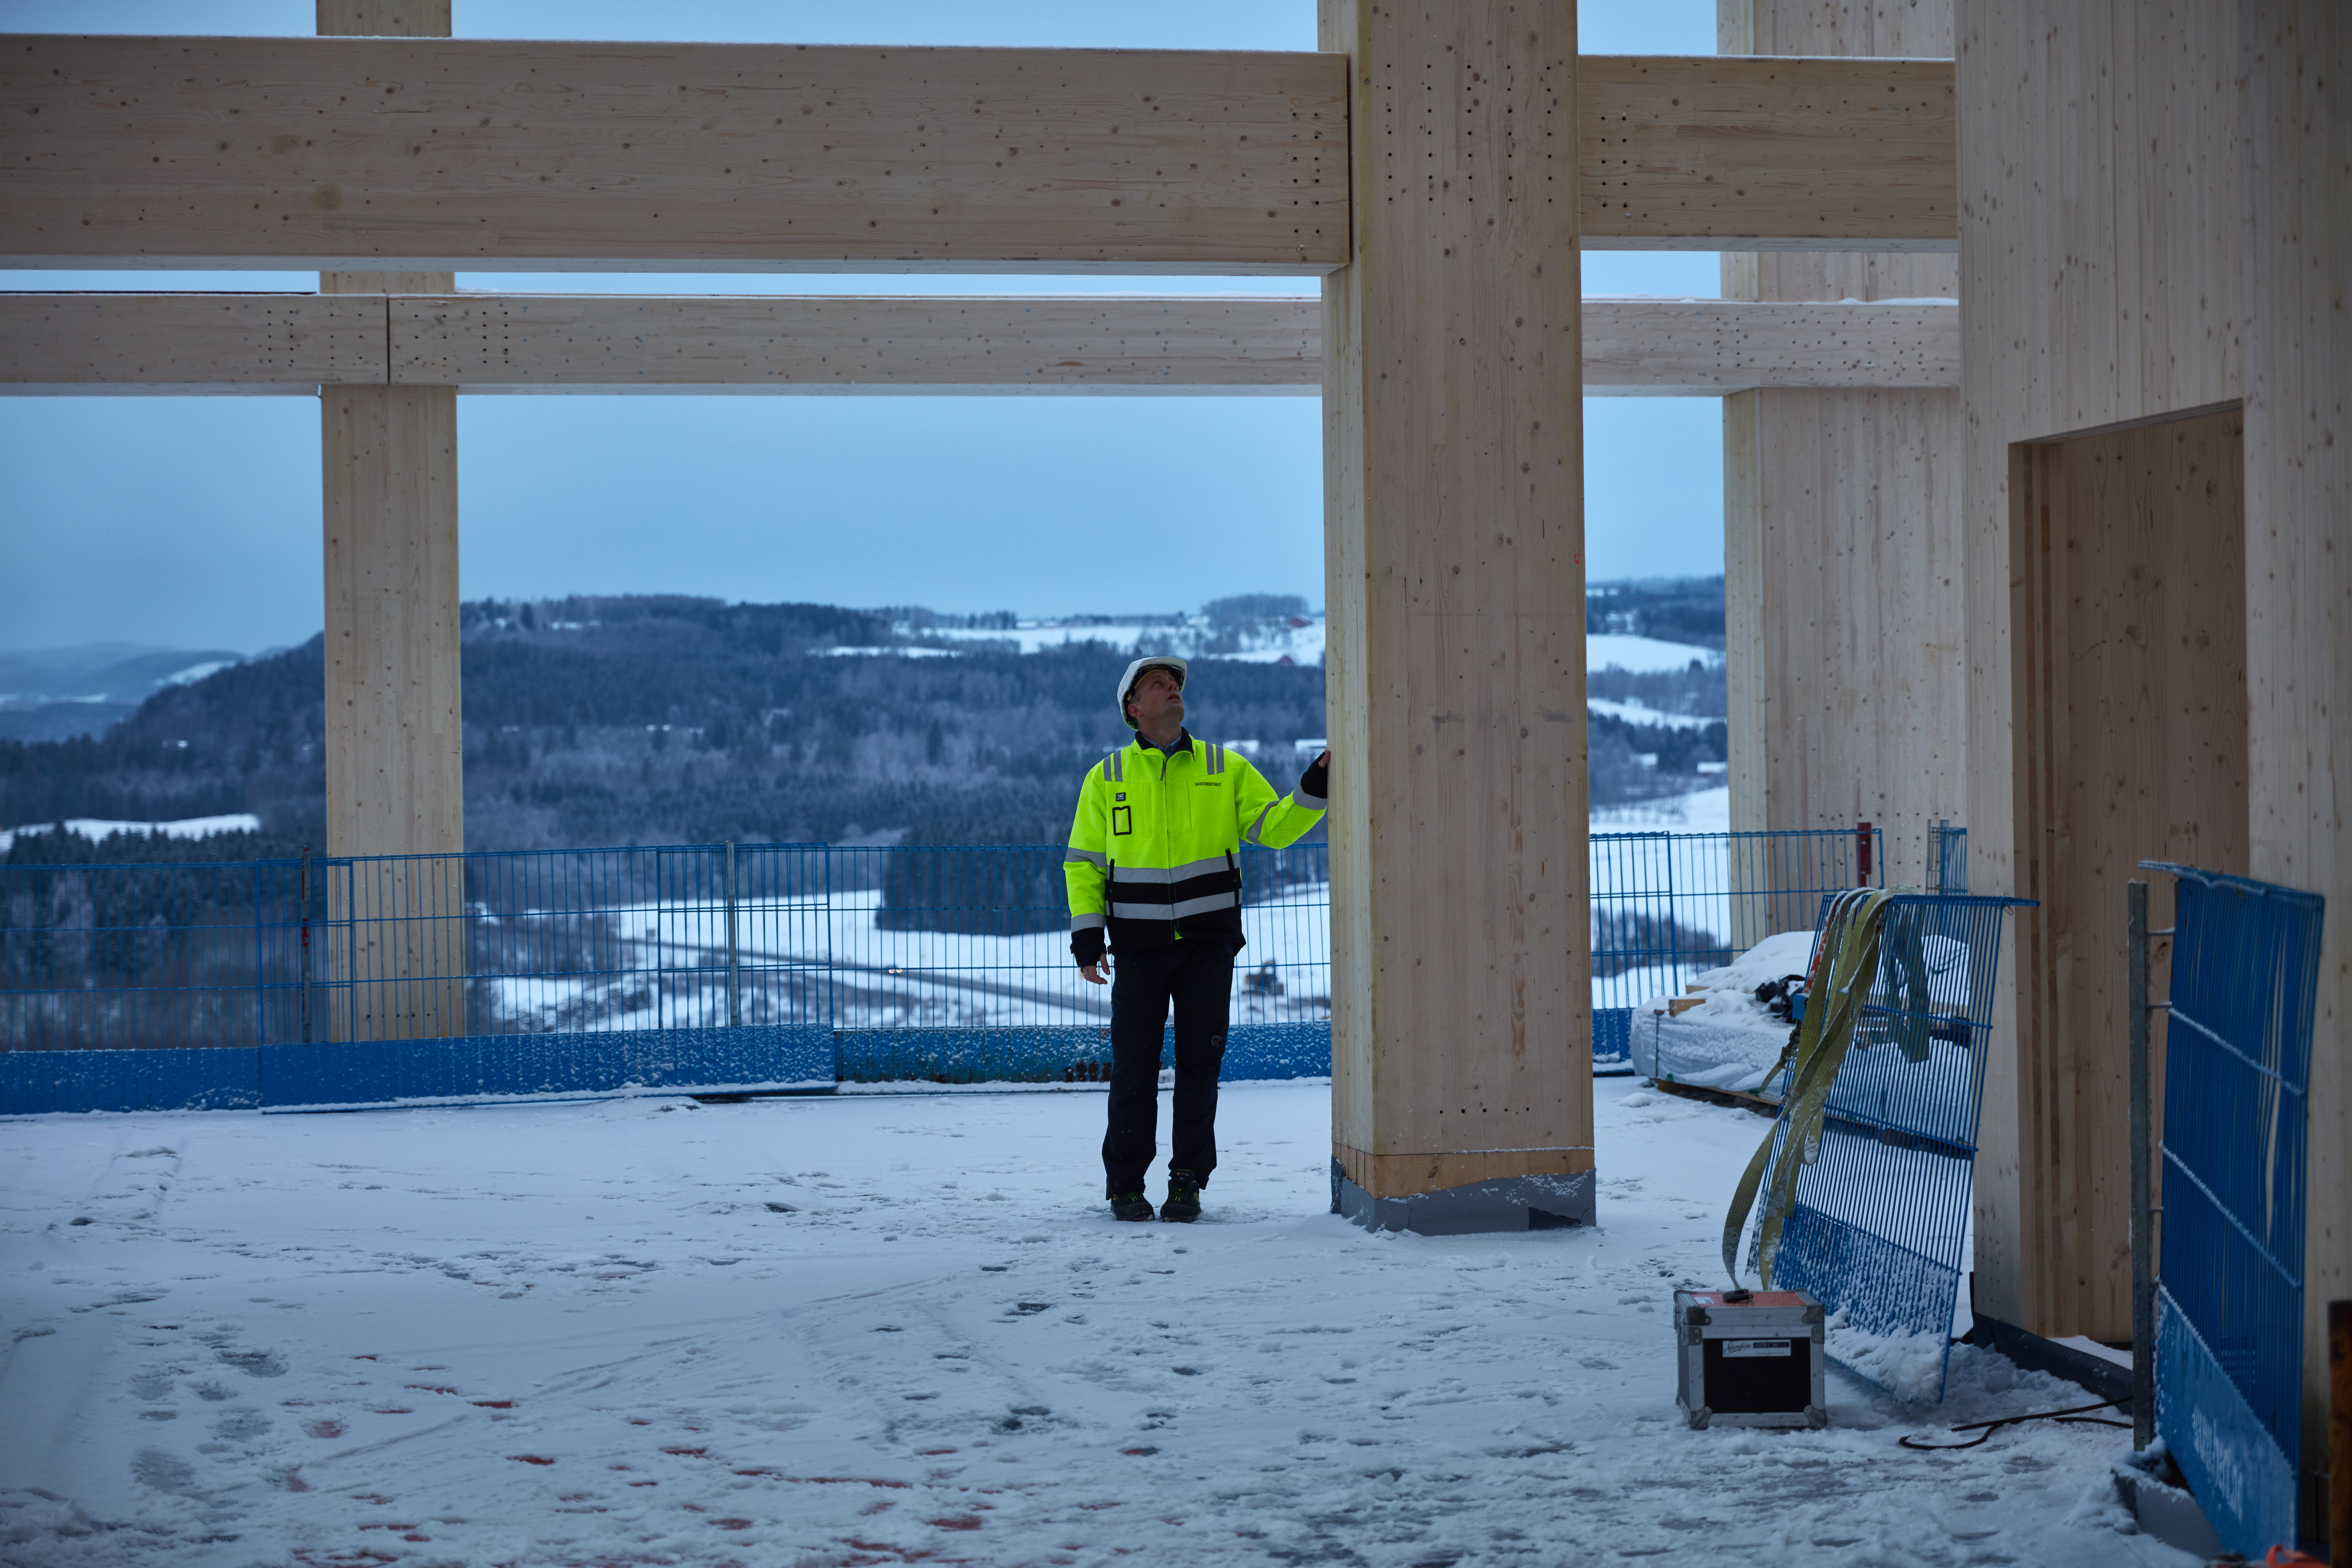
(54, 694)
(601, 721)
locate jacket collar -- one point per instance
(1183, 743)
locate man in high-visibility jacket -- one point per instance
(1154, 868)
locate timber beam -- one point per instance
(436, 153)
(261, 343)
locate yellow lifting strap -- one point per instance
(1844, 966)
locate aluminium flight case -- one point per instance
(1749, 1359)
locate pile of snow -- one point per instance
(1730, 1040)
(902, 1328)
(1909, 1366)
(95, 828)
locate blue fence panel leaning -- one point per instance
(2230, 1277)
(1879, 1229)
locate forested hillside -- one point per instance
(659, 720)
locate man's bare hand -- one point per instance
(1094, 972)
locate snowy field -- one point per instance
(900, 1328)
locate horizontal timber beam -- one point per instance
(173, 343)
(435, 153)
(1763, 152)
(440, 153)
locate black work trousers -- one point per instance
(1197, 976)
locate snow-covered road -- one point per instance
(899, 1327)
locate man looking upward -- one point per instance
(1154, 867)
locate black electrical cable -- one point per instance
(2072, 1417)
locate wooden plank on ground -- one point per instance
(1712, 152)
(483, 154)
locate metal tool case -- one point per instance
(1746, 1359)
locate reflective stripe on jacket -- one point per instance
(1155, 847)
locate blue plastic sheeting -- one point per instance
(1613, 1038)
(1062, 1055)
(395, 1073)
(1879, 1229)
(190, 1077)
(2241, 1476)
(2237, 1045)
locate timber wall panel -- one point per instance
(1842, 550)
(354, 152)
(2101, 160)
(1461, 984)
(2297, 57)
(1862, 710)
(2131, 681)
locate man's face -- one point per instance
(1157, 695)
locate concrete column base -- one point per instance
(1506, 1203)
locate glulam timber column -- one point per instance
(2298, 68)
(1454, 531)
(395, 783)
(1841, 532)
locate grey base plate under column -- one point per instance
(1506, 1203)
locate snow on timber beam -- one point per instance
(130, 343)
(407, 153)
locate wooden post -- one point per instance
(1841, 531)
(1453, 528)
(396, 747)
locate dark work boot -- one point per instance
(1183, 1205)
(1133, 1205)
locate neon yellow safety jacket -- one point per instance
(1155, 848)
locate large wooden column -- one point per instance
(395, 782)
(1454, 522)
(1842, 528)
(2298, 66)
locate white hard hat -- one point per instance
(1135, 673)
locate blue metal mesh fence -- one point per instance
(1667, 906)
(2229, 1330)
(893, 949)
(1879, 1231)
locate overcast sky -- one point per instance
(195, 522)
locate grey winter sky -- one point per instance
(195, 522)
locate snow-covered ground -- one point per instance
(95, 828)
(901, 1327)
(1618, 650)
(1701, 811)
(1642, 713)
(1299, 644)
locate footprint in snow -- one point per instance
(256, 1363)
(153, 1468)
(241, 1426)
